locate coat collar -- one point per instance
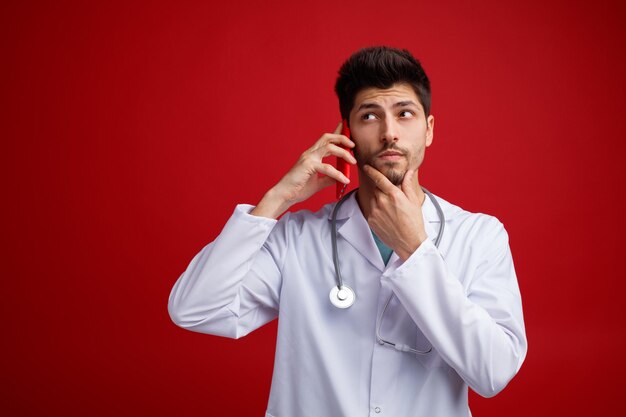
(353, 227)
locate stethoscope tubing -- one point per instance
(333, 236)
(348, 295)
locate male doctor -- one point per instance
(427, 321)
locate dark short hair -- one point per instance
(380, 67)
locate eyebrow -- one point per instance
(378, 106)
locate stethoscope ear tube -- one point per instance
(440, 215)
(397, 346)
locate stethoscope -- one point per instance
(342, 296)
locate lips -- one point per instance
(390, 153)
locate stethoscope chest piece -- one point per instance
(342, 297)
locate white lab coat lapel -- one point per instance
(352, 226)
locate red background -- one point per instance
(131, 129)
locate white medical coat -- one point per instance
(461, 298)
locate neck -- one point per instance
(366, 194)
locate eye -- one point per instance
(406, 113)
(368, 116)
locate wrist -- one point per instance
(406, 252)
(272, 205)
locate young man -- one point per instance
(434, 301)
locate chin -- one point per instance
(395, 176)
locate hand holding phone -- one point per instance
(342, 165)
(310, 174)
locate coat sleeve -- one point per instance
(232, 286)
(478, 331)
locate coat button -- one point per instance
(377, 410)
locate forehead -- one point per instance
(389, 96)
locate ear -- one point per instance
(430, 128)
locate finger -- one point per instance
(338, 139)
(379, 180)
(380, 198)
(338, 151)
(332, 172)
(335, 137)
(338, 128)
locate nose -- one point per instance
(389, 130)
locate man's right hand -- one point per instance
(303, 179)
